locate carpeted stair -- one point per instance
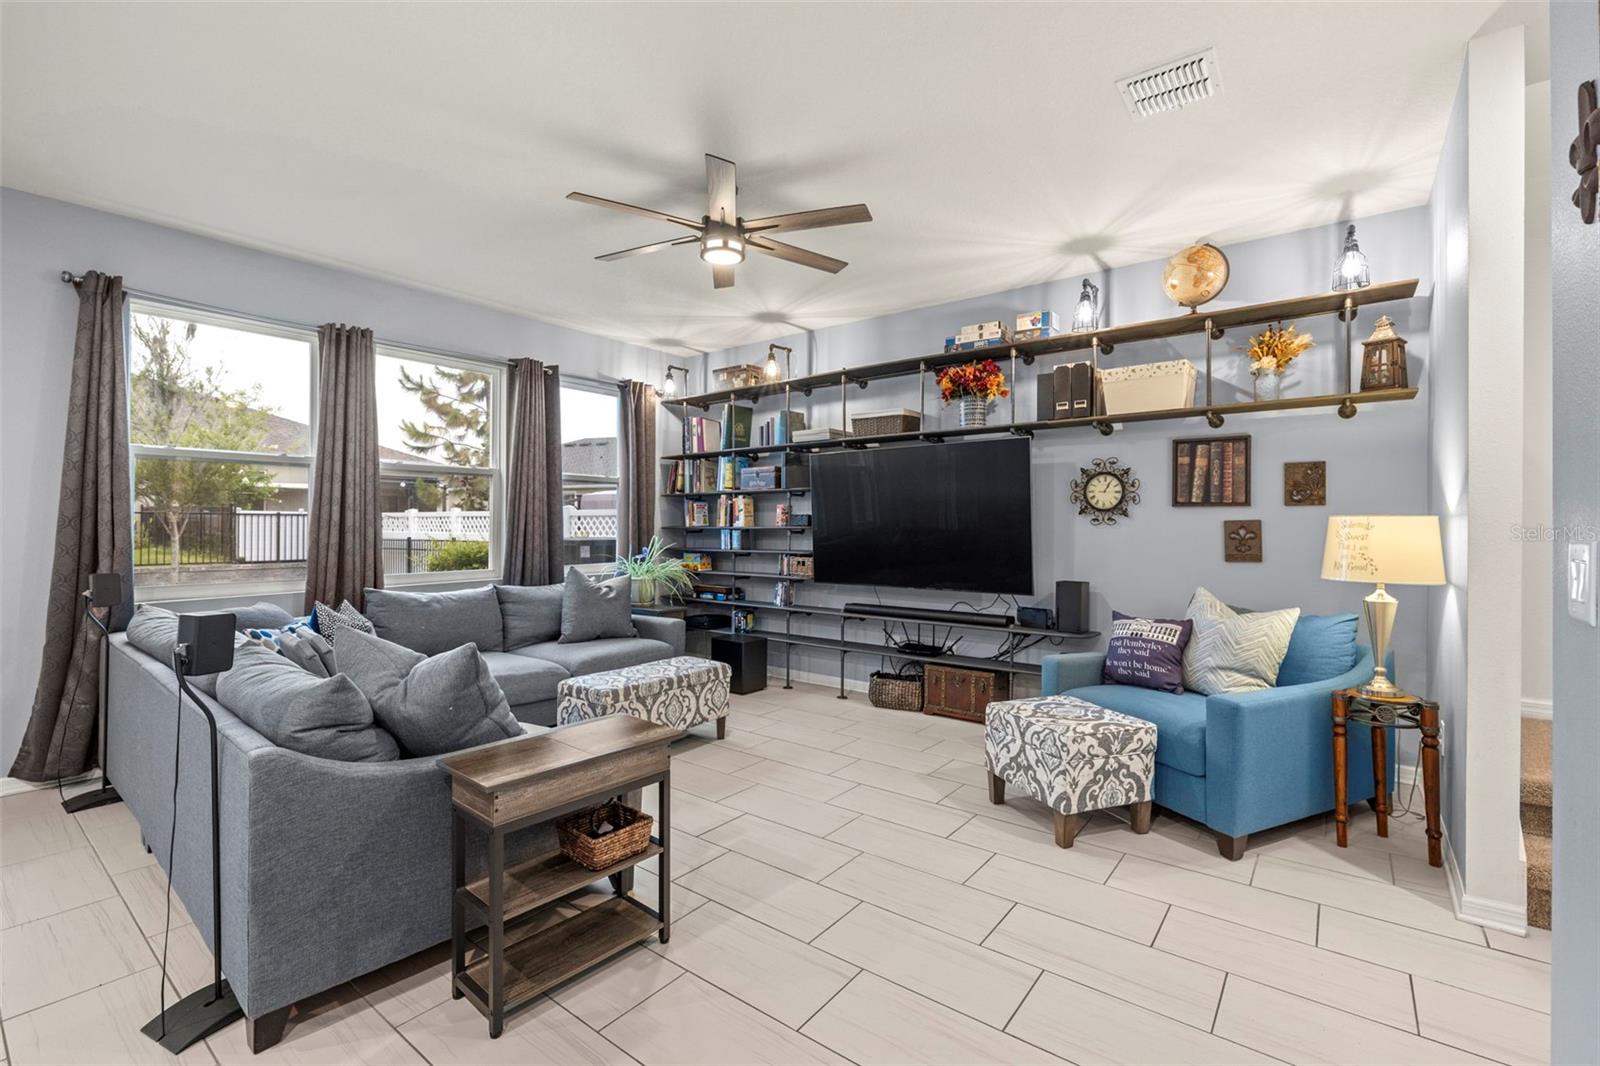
(1536, 817)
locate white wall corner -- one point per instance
(1510, 916)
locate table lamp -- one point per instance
(1383, 549)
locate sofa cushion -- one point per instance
(523, 678)
(1322, 646)
(329, 621)
(1180, 720)
(323, 716)
(308, 650)
(529, 614)
(591, 610)
(1146, 652)
(595, 655)
(154, 631)
(434, 622)
(262, 615)
(433, 705)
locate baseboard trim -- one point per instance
(15, 786)
(1492, 913)
(1537, 709)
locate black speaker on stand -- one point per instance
(1072, 606)
(104, 594)
(205, 646)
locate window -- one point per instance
(220, 428)
(589, 417)
(438, 451)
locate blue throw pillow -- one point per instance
(1146, 652)
(1322, 646)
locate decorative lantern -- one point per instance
(1383, 358)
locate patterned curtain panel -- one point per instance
(94, 534)
(344, 552)
(636, 467)
(533, 551)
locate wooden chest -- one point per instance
(956, 692)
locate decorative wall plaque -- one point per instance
(1305, 484)
(1211, 472)
(1241, 540)
(1585, 152)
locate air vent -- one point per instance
(1171, 86)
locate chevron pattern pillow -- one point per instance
(1237, 652)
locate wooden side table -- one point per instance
(1381, 713)
(508, 787)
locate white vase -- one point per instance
(974, 412)
(1266, 387)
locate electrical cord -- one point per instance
(172, 843)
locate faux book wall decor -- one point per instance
(1211, 472)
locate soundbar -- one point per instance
(928, 614)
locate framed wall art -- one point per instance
(1211, 472)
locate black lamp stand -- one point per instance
(105, 593)
(201, 1013)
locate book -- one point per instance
(1185, 470)
(1227, 472)
(1202, 462)
(1241, 472)
(736, 421)
(1214, 489)
(806, 436)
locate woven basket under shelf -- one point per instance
(895, 692)
(631, 835)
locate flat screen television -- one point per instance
(935, 516)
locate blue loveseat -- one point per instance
(1239, 762)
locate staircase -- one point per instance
(1536, 817)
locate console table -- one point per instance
(1386, 712)
(505, 788)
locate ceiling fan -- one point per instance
(724, 237)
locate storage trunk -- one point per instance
(956, 692)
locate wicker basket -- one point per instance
(877, 423)
(630, 836)
(896, 692)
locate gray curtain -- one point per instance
(533, 554)
(94, 534)
(636, 467)
(344, 554)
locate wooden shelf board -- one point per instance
(1156, 329)
(561, 951)
(545, 879)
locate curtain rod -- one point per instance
(69, 278)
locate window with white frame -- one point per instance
(221, 433)
(439, 454)
(590, 412)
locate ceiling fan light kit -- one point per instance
(724, 237)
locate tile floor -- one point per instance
(844, 892)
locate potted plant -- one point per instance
(655, 573)
(976, 385)
(1270, 352)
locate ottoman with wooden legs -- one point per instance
(1073, 756)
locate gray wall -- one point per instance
(37, 321)
(1152, 562)
(1575, 271)
(1447, 458)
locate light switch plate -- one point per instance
(1581, 559)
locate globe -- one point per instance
(1195, 275)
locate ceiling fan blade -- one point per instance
(646, 249)
(798, 220)
(722, 277)
(720, 190)
(632, 209)
(815, 260)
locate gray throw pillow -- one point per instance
(432, 705)
(308, 650)
(1233, 651)
(432, 622)
(531, 614)
(323, 716)
(154, 631)
(594, 610)
(261, 615)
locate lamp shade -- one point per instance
(1391, 549)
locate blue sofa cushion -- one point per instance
(1180, 720)
(1322, 646)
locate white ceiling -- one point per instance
(434, 143)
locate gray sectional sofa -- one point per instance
(330, 869)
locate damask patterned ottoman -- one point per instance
(680, 692)
(1073, 756)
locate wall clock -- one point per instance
(1104, 491)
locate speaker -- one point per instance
(1072, 606)
(208, 642)
(105, 590)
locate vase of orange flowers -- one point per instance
(975, 385)
(1271, 352)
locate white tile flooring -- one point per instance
(844, 892)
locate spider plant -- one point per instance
(655, 573)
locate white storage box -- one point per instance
(1148, 387)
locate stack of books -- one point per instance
(728, 468)
(736, 511)
(1033, 325)
(696, 514)
(977, 336)
(806, 436)
(692, 475)
(705, 434)
(795, 566)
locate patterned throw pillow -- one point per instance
(272, 639)
(328, 622)
(1234, 651)
(1146, 652)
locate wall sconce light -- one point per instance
(669, 387)
(1350, 272)
(1087, 315)
(773, 371)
